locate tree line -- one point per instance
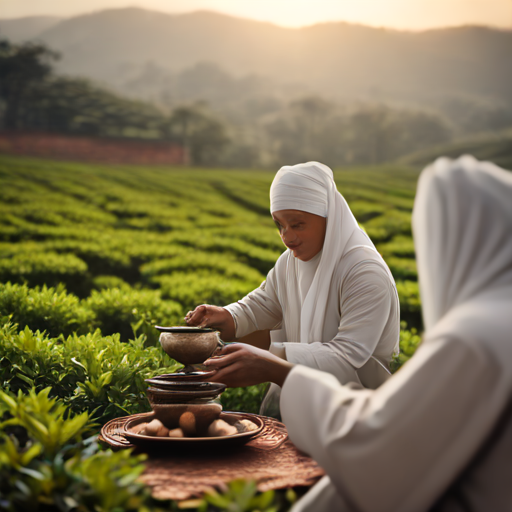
(34, 98)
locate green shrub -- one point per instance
(385, 227)
(89, 372)
(242, 496)
(365, 210)
(401, 246)
(402, 268)
(106, 282)
(409, 342)
(196, 261)
(48, 268)
(244, 399)
(202, 288)
(410, 303)
(127, 311)
(47, 464)
(45, 309)
(101, 257)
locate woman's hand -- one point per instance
(240, 365)
(214, 317)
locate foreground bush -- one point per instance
(47, 463)
(91, 373)
(50, 461)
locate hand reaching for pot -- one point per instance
(215, 317)
(240, 365)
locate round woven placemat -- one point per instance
(271, 459)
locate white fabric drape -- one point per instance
(310, 187)
(336, 312)
(438, 434)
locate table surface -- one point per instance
(271, 459)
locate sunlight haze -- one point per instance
(401, 14)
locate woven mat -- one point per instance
(271, 459)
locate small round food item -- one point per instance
(139, 429)
(176, 432)
(245, 426)
(163, 431)
(188, 423)
(221, 428)
(156, 428)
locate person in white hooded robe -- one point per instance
(437, 436)
(332, 306)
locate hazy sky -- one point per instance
(408, 14)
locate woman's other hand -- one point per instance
(240, 365)
(215, 317)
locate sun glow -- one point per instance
(402, 14)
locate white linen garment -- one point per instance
(437, 436)
(337, 310)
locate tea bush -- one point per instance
(410, 304)
(213, 262)
(384, 227)
(89, 372)
(46, 309)
(402, 268)
(105, 282)
(113, 310)
(125, 311)
(47, 268)
(409, 342)
(48, 463)
(203, 288)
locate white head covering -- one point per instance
(462, 224)
(301, 187)
(310, 187)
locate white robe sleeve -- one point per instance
(365, 303)
(398, 448)
(259, 310)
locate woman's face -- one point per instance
(303, 233)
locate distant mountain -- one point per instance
(18, 30)
(340, 60)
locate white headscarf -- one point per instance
(310, 187)
(462, 224)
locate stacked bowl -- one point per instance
(180, 401)
(183, 400)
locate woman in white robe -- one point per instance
(437, 436)
(330, 301)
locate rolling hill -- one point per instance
(340, 60)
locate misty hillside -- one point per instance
(18, 30)
(139, 51)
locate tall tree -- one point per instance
(23, 69)
(202, 135)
